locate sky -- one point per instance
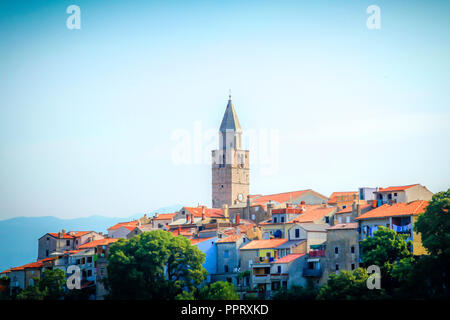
(120, 116)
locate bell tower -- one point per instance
(230, 164)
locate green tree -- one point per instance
(154, 265)
(50, 286)
(309, 292)
(434, 225)
(384, 249)
(220, 290)
(349, 285)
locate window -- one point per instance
(89, 273)
(352, 249)
(46, 253)
(226, 253)
(297, 233)
(336, 250)
(225, 268)
(67, 242)
(279, 269)
(353, 266)
(343, 207)
(89, 259)
(340, 220)
(395, 194)
(337, 267)
(347, 219)
(327, 219)
(274, 219)
(253, 217)
(282, 219)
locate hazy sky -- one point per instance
(92, 120)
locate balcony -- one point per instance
(261, 278)
(308, 272)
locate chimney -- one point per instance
(179, 229)
(63, 231)
(60, 235)
(238, 218)
(203, 213)
(374, 203)
(269, 209)
(225, 212)
(156, 215)
(187, 217)
(354, 206)
(276, 255)
(358, 210)
(192, 218)
(237, 230)
(324, 205)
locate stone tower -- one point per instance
(230, 164)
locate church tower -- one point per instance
(230, 164)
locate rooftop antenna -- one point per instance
(229, 94)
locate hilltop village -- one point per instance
(260, 243)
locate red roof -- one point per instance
(289, 258)
(343, 226)
(349, 209)
(397, 209)
(198, 240)
(313, 215)
(77, 234)
(230, 239)
(349, 194)
(165, 216)
(277, 197)
(132, 224)
(400, 188)
(32, 265)
(209, 212)
(64, 235)
(100, 242)
(264, 244)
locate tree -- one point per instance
(297, 292)
(48, 287)
(348, 285)
(154, 265)
(434, 225)
(384, 249)
(220, 290)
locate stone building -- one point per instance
(230, 163)
(342, 247)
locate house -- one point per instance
(349, 214)
(22, 277)
(102, 253)
(85, 259)
(286, 272)
(402, 194)
(208, 247)
(311, 234)
(342, 199)
(163, 219)
(342, 247)
(140, 229)
(228, 259)
(400, 217)
(122, 229)
(258, 206)
(57, 243)
(282, 219)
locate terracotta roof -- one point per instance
(124, 224)
(289, 258)
(400, 188)
(334, 195)
(6, 271)
(397, 209)
(100, 242)
(165, 216)
(198, 240)
(264, 244)
(277, 197)
(313, 215)
(32, 265)
(64, 235)
(77, 234)
(209, 212)
(230, 239)
(343, 226)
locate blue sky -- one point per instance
(87, 116)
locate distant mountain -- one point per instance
(19, 236)
(168, 209)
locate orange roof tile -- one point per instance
(64, 235)
(334, 195)
(230, 239)
(32, 265)
(399, 188)
(77, 234)
(165, 216)
(289, 258)
(209, 212)
(124, 224)
(198, 240)
(277, 197)
(343, 226)
(264, 244)
(100, 242)
(397, 209)
(313, 215)
(6, 271)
